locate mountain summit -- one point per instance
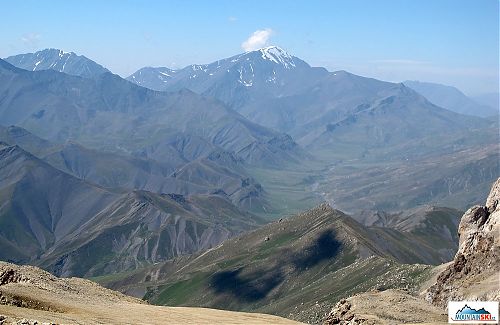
(277, 55)
(58, 60)
(265, 69)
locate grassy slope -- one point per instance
(296, 267)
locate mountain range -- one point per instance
(260, 133)
(56, 219)
(202, 186)
(58, 107)
(213, 171)
(338, 116)
(331, 125)
(334, 115)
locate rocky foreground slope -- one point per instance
(29, 295)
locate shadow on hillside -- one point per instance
(323, 248)
(248, 288)
(256, 285)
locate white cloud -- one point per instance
(258, 39)
(31, 39)
(232, 19)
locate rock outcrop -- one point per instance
(473, 275)
(385, 307)
(342, 313)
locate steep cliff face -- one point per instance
(473, 275)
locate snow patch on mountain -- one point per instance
(278, 56)
(58, 60)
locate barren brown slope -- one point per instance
(27, 292)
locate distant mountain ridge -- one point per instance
(58, 60)
(104, 112)
(331, 116)
(261, 69)
(153, 78)
(317, 108)
(451, 98)
(213, 171)
(489, 99)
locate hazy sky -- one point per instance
(447, 41)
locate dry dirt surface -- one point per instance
(386, 307)
(29, 295)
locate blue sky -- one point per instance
(448, 41)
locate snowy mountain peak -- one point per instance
(52, 52)
(267, 66)
(63, 53)
(154, 78)
(278, 56)
(58, 60)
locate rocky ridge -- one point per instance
(473, 275)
